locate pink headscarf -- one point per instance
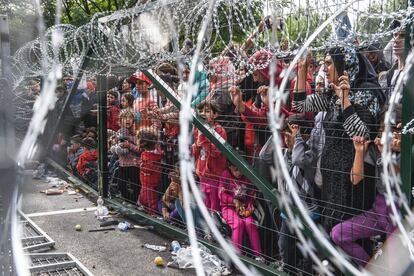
(224, 70)
(262, 58)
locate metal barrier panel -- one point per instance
(123, 142)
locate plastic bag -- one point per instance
(212, 265)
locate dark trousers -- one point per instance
(291, 255)
(128, 183)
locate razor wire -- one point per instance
(144, 40)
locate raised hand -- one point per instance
(295, 129)
(236, 98)
(360, 144)
(342, 89)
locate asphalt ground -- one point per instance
(103, 253)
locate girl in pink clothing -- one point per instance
(237, 195)
(210, 162)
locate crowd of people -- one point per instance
(334, 116)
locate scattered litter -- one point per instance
(70, 192)
(211, 263)
(159, 261)
(102, 229)
(56, 182)
(78, 197)
(40, 172)
(124, 226)
(146, 227)
(78, 227)
(109, 223)
(53, 191)
(158, 248)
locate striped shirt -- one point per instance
(353, 124)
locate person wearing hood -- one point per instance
(353, 103)
(373, 52)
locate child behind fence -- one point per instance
(210, 162)
(127, 152)
(74, 151)
(303, 158)
(237, 195)
(150, 168)
(167, 204)
(87, 164)
(377, 220)
(112, 121)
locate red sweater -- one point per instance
(112, 120)
(210, 162)
(150, 167)
(258, 116)
(84, 158)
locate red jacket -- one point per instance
(84, 158)
(112, 120)
(258, 116)
(210, 162)
(150, 167)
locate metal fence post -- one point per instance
(7, 152)
(407, 141)
(103, 187)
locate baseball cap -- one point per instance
(139, 76)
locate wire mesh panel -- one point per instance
(286, 106)
(33, 238)
(56, 264)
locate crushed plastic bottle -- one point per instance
(124, 226)
(158, 248)
(175, 246)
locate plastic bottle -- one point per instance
(100, 202)
(124, 226)
(175, 245)
(101, 211)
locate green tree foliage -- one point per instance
(371, 24)
(79, 12)
(230, 30)
(22, 21)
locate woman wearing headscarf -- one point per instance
(353, 103)
(222, 76)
